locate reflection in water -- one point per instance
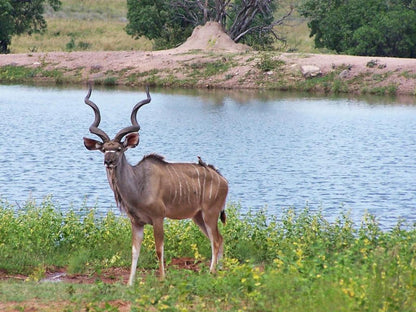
(276, 149)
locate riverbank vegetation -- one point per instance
(301, 262)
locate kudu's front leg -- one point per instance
(137, 238)
(159, 235)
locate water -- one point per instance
(280, 151)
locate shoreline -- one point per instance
(220, 69)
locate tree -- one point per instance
(170, 22)
(20, 16)
(156, 20)
(393, 34)
(372, 27)
(5, 25)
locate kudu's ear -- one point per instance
(92, 145)
(132, 140)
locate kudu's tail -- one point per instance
(223, 216)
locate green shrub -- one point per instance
(268, 63)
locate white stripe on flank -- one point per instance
(171, 178)
(203, 186)
(189, 191)
(179, 181)
(218, 186)
(176, 190)
(199, 182)
(210, 190)
(195, 187)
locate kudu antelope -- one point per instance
(155, 189)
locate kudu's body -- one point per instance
(155, 189)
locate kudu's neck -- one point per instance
(123, 181)
(123, 173)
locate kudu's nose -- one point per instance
(109, 160)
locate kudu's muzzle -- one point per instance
(110, 159)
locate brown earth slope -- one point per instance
(209, 58)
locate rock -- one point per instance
(310, 71)
(372, 63)
(344, 74)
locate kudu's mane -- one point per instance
(156, 157)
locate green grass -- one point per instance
(209, 68)
(92, 25)
(302, 262)
(23, 74)
(268, 63)
(17, 74)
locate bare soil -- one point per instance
(107, 276)
(185, 65)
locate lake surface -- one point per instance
(276, 150)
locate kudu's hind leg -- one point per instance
(159, 235)
(199, 220)
(211, 225)
(137, 238)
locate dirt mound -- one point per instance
(211, 37)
